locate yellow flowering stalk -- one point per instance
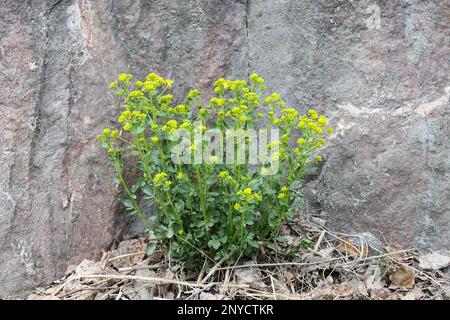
(210, 207)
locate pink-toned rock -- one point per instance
(57, 198)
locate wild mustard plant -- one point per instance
(208, 204)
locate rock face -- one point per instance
(57, 201)
(379, 72)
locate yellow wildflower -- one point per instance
(124, 77)
(268, 100)
(322, 121)
(159, 177)
(254, 76)
(213, 159)
(180, 175)
(192, 148)
(275, 96)
(184, 125)
(223, 174)
(173, 124)
(313, 114)
(259, 81)
(194, 94)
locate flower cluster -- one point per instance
(131, 118)
(219, 209)
(248, 195)
(225, 176)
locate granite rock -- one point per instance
(377, 69)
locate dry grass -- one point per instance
(331, 266)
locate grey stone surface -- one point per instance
(386, 90)
(388, 173)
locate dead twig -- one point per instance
(125, 256)
(155, 280)
(214, 269)
(147, 267)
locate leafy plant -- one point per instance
(207, 207)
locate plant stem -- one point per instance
(136, 207)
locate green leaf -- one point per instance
(170, 232)
(307, 244)
(224, 239)
(141, 166)
(179, 205)
(171, 169)
(138, 131)
(214, 243)
(151, 246)
(289, 215)
(148, 191)
(156, 158)
(134, 187)
(210, 180)
(253, 244)
(295, 184)
(128, 203)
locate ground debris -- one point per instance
(320, 265)
(434, 261)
